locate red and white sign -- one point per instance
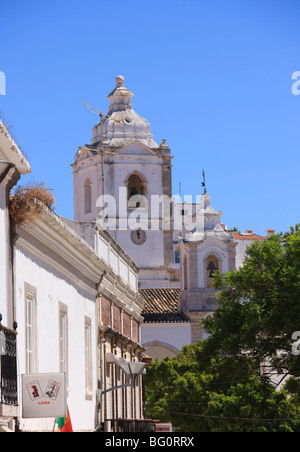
(44, 395)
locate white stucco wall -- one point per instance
(241, 249)
(117, 169)
(165, 338)
(148, 255)
(53, 288)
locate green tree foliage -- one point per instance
(260, 305)
(226, 383)
(223, 394)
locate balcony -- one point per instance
(8, 373)
(130, 426)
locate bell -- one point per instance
(212, 269)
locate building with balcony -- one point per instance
(13, 164)
(77, 306)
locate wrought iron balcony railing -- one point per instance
(8, 367)
(130, 425)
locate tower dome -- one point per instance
(122, 124)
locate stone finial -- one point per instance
(120, 97)
(120, 80)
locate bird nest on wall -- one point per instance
(28, 201)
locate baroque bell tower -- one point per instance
(133, 172)
(208, 249)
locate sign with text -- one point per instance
(44, 395)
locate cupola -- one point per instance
(122, 124)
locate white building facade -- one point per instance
(68, 304)
(12, 165)
(73, 308)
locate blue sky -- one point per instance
(214, 78)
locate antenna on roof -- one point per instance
(98, 113)
(102, 116)
(93, 109)
(204, 182)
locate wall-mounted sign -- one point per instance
(44, 395)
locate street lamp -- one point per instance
(131, 369)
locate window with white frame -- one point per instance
(88, 357)
(30, 329)
(63, 339)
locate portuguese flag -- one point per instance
(64, 423)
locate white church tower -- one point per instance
(124, 161)
(208, 249)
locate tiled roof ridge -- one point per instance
(239, 236)
(164, 300)
(161, 306)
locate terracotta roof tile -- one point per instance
(161, 306)
(239, 236)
